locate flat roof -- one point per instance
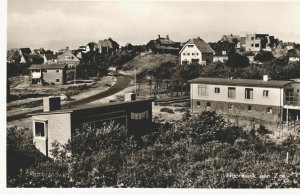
(241, 82)
(89, 107)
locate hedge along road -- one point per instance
(123, 81)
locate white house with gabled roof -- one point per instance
(196, 51)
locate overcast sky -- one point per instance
(55, 24)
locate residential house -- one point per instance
(50, 73)
(265, 100)
(258, 42)
(234, 40)
(67, 57)
(163, 45)
(61, 124)
(290, 45)
(196, 51)
(15, 56)
(294, 55)
(221, 50)
(107, 46)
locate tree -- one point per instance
(236, 60)
(264, 56)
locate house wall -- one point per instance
(58, 128)
(51, 75)
(207, 58)
(220, 58)
(249, 42)
(238, 110)
(134, 114)
(294, 59)
(296, 93)
(187, 54)
(275, 97)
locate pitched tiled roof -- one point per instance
(241, 82)
(294, 53)
(11, 55)
(201, 45)
(48, 66)
(105, 43)
(232, 38)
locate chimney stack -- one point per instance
(130, 97)
(67, 48)
(167, 36)
(266, 78)
(159, 36)
(51, 103)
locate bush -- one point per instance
(264, 56)
(167, 110)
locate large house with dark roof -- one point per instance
(107, 46)
(266, 100)
(50, 73)
(234, 40)
(196, 51)
(163, 45)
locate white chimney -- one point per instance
(266, 77)
(51, 103)
(130, 97)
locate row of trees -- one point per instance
(202, 151)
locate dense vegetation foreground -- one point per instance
(202, 151)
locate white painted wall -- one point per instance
(275, 97)
(187, 54)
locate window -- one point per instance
(217, 90)
(57, 80)
(188, 54)
(252, 38)
(256, 45)
(198, 103)
(39, 129)
(250, 108)
(249, 93)
(57, 70)
(298, 90)
(202, 90)
(208, 104)
(266, 93)
(252, 45)
(223, 52)
(230, 107)
(231, 92)
(191, 46)
(184, 54)
(269, 110)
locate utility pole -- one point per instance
(135, 79)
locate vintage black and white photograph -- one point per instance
(151, 94)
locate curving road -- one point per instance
(123, 81)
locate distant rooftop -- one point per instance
(241, 82)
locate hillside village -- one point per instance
(221, 98)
